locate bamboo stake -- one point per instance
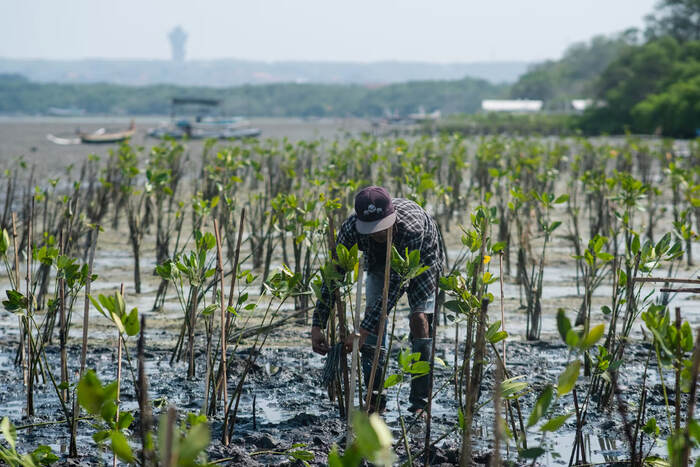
(382, 319)
(220, 264)
(677, 365)
(429, 407)
(170, 460)
(30, 303)
(144, 407)
(682, 290)
(119, 376)
(667, 279)
(62, 329)
(354, 361)
(224, 337)
(503, 315)
(22, 331)
(694, 370)
(76, 408)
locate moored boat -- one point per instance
(104, 136)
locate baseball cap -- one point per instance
(374, 209)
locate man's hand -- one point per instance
(319, 344)
(349, 340)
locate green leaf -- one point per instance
(131, 323)
(562, 199)
(100, 436)
(43, 455)
(195, 442)
(511, 387)
(125, 419)
(392, 380)
(593, 336)
(567, 379)
(563, 324)
(541, 406)
(555, 423)
(8, 432)
(532, 453)
(302, 455)
(90, 393)
(120, 446)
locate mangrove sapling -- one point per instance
(164, 172)
(577, 342)
(195, 269)
(99, 400)
(671, 344)
(594, 265)
(409, 368)
(532, 280)
(373, 442)
(42, 455)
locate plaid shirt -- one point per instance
(414, 229)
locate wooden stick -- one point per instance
(682, 290)
(354, 361)
(694, 370)
(144, 405)
(503, 315)
(62, 337)
(170, 460)
(22, 348)
(30, 303)
(76, 408)
(666, 279)
(431, 381)
(677, 365)
(382, 319)
(119, 375)
(220, 264)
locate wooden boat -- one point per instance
(103, 136)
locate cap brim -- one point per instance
(367, 228)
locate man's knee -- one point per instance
(419, 325)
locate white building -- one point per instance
(505, 105)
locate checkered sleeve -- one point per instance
(347, 236)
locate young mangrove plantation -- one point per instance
(157, 304)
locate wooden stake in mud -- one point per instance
(73, 450)
(62, 331)
(354, 360)
(30, 306)
(221, 374)
(345, 398)
(220, 264)
(382, 320)
(119, 375)
(431, 381)
(22, 348)
(144, 405)
(169, 460)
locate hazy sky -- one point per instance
(329, 30)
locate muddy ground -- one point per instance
(290, 405)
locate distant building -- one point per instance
(505, 105)
(580, 105)
(178, 38)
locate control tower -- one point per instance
(178, 38)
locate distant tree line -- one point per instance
(18, 95)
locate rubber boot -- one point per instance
(420, 386)
(378, 399)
